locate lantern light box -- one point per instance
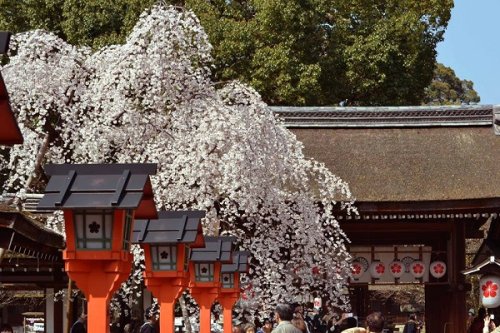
(167, 240)
(99, 202)
(217, 250)
(230, 272)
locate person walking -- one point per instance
(374, 324)
(149, 325)
(478, 322)
(284, 316)
(411, 325)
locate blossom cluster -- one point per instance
(218, 149)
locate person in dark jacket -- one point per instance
(80, 325)
(411, 325)
(149, 325)
(478, 322)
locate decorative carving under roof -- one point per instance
(401, 116)
(100, 186)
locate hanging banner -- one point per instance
(407, 264)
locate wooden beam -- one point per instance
(485, 205)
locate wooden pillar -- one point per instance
(167, 291)
(59, 316)
(227, 306)
(445, 306)
(359, 299)
(49, 310)
(436, 308)
(205, 297)
(458, 313)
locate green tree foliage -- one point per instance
(295, 52)
(321, 51)
(446, 88)
(95, 23)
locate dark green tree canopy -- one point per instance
(295, 52)
(446, 88)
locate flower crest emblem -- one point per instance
(94, 227)
(418, 268)
(439, 269)
(489, 289)
(356, 269)
(396, 267)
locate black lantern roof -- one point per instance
(488, 266)
(216, 249)
(100, 186)
(171, 227)
(240, 263)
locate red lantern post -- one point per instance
(230, 291)
(205, 267)
(167, 242)
(99, 204)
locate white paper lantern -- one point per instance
(417, 269)
(357, 270)
(377, 269)
(489, 291)
(396, 268)
(437, 269)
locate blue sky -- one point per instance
(471, 46)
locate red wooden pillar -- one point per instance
(228, 301)
(205, 297)
(98, 280)
(167, 291)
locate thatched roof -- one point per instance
(439, 154)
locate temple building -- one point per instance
(425, 179)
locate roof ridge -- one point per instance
(385, 116)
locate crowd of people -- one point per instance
(292, 319)
(287, 318)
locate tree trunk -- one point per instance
(37, 169)
(185, 315)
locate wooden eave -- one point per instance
(23, 235)
(33, 252)
(412, 222)
(10, 133)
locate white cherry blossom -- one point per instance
(218, 149)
